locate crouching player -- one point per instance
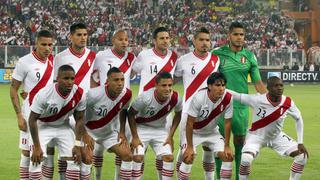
(205, 108)
(269, 112)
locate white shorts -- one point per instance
(155, 138)
(282, 144)
(62, 136)
(24, 140)
(109, 141)
(214, 141)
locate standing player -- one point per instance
(206, 106)
(81, 59)
(268, 114)
(147, 119)
(236, 63)
(105, 60)
(49, 122)
(33, 71)
(106, 118)
(194, 68)
(153, 61)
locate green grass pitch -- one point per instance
(268, 165)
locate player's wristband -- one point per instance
(78, 143)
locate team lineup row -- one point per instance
(92, 93)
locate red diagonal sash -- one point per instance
(214, 113)
(126, 63)
(112, 113)
(273, 116)
(165, 110)
(166, 68)
(202, 76)
(88, 62)
(43, 81)
(74, 101)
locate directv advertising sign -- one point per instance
(293, 76)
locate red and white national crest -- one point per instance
(243, 59)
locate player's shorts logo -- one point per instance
(276, 74)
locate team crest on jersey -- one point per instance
(243, 59)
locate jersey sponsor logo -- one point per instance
(43, 81)
(67, 108)
(215, 112)
(166, 68)
(275, 115)
(201, 77)
(95, 124)
(162, 112)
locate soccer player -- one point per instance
(147, 119)
(33, 71)
(49, 122)
(236, 63)
(194, 68)
(82, 61)
(201, 128)
(106, 118)
(150, 62)
(268, 115)
(105, 60)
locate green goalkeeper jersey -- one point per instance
(236, 66)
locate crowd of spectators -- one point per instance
(266, 26)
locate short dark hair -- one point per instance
(76, 26)
(44, 33)
(163, 75)
(113, 70)
(271, 80)
(215, 77)
(64, 68)
(201, 30)
(159, 29)
(234, 25)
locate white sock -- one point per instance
(126, 170)
(167, 170)
(136, 170)
(85, 171)
(208, 164)
(184, 171)
(245, 165)
(24, 167)
(47, 167)
(62, 168)
(98, 160)
(179, 161)
(73, 170)
(226, 171)
(159, 164)
(35, 171)
(117, 162)
(297, 167)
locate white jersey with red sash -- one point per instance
(107, 59)
(81, 63)
(34, 73)
(207, 112)
(149, 63)
(55, 109)
(267, 117)
(152, 112)
(195, 71)
(102, 114)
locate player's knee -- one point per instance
(246, 159)
(167, 158)
(301, 159)
(50, 150)
(25, 153)
(137, 158)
